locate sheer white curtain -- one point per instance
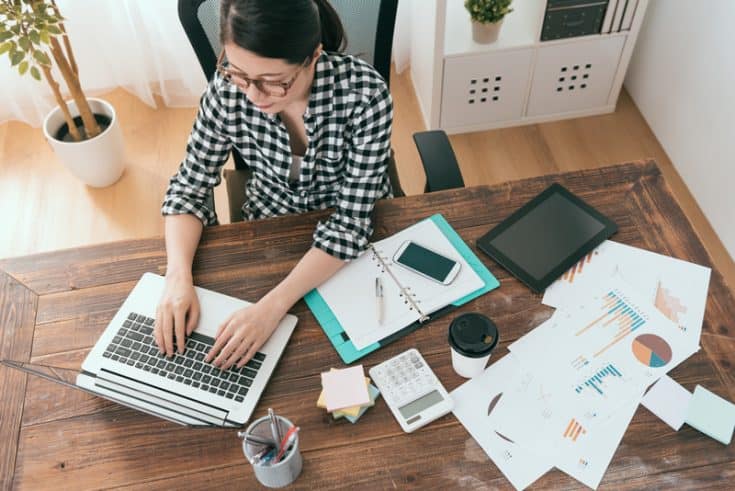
(135, 44)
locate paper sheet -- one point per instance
(603, 352)
(589, 462)
(669, 401)
(474, 405)
(677, 288)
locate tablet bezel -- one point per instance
(539, 285)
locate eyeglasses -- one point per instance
(267, 87)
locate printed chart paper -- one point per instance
(474, 404)
(678, 289)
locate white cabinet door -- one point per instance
(484, 88)
(574, 76)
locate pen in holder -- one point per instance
(275, 464)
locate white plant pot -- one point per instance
(98, 162)
(485, 33)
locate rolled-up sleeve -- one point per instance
(206, 152)
(347, 231)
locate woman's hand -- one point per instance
(243, 333)
(177, 312)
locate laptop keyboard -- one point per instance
(135, 346)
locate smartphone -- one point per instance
(426, 262)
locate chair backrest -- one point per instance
(369, 25)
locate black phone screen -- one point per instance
(427, 262)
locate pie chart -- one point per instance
(651, 350)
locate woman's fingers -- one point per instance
(158, 331)
(241, 350)
(223, 335)
(168, 334)
(235, 339)
(180, 326)
(250, 353)
(192, 318)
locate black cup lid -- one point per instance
(473, 335)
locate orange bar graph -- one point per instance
(574, 429)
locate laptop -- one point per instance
(125, 365)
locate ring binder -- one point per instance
(344, 305)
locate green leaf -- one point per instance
(16, 57)
(41, 57)
(5, 35)
(15, 30)
(35, 37)
(45, 37)
(54, 30)
(24, 43)
(35, 73)
(4, 47)
(23, 67)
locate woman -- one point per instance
(313, 125)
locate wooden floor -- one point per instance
(44, 208)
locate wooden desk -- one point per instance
(54, 306)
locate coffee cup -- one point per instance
(472, 338)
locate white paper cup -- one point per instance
(468, 367)
(472, 338)
(287, 469)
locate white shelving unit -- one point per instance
(463, 86)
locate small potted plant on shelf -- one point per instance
(487, 17)
(83, 132)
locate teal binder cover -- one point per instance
(336, 333)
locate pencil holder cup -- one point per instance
(269, 473)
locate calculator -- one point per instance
(413, 393)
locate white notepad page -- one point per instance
(350, 293)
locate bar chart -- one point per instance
(596, 382)
(618, 316)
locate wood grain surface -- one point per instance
(55, 305)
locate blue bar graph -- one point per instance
(596, 381)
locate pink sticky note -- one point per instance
(345, 388)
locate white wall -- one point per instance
(682, 78)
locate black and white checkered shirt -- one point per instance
(348, 125)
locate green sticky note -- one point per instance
(712, 415)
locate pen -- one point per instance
(256, 439)
(287, 442)
(379, 299)
(274, 426)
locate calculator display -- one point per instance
(415, 407)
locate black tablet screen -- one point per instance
(547, 235)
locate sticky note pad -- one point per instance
(345, 388)
(321, 403)
(355, 411)
(374, 393)
(712, 415)
(669, 401)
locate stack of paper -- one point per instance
(347, 393)
(568, 390)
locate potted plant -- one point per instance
(487, 17)
(83, 132)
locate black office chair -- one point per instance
(369, 26)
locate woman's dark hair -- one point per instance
(285, 29)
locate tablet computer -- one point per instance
(546, 236)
